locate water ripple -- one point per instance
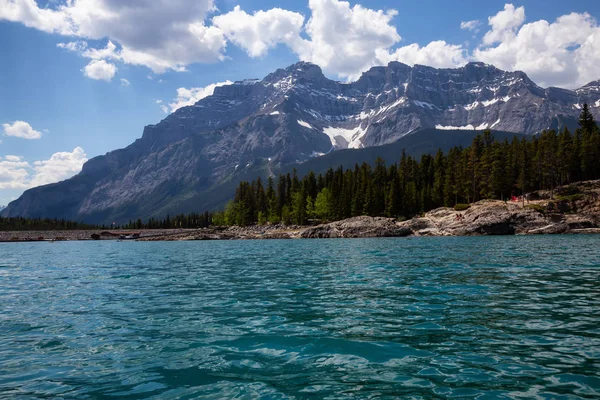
(420, 318)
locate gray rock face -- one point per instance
(358, 227)
(490, 217)
(290, 116)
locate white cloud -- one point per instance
(342, 38)
(346, 40)
(159, 34)
(504, 24)
(471, 25)
(100, 70)
(190, 96)
(59, 167)
(21, 129)
(77, 46)
(563, 53)
(15, 173)
(437, 54)
(29, 14)
(107, 53)
(259, 32)
(125, 82)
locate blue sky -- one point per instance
(75, 102)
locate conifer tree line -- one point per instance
(41, 224)
(488, 169)
(181, 221)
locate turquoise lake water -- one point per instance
(420, 318)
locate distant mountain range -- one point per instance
(295, 115)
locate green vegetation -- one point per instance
(181, 221)
(488, 169)
(40, 224)
(570, 198)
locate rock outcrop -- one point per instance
(289, 117)
(574, 214)
(358, 227)
(579, 213)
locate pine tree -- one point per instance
(586, 120)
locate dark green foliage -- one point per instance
(41, 224)
(488, 169)
(181, 221)
(572, 197)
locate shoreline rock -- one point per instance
(568, 214)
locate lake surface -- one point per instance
(420, 318)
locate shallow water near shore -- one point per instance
(462, 317)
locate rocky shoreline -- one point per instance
(569, 210)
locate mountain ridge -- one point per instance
(291, 116)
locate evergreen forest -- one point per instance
(488, 169)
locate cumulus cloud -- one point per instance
(16, 173)
(13, 173)
(21, 129)
(437, 54)
(190, 96)
(100, 70)
(504, 24)
(471, 25)
(261, 31)
(560, 53)
(159, 34)
(342, 38)
(29, 14)
(58, 167)
(77, 46)
(125, 82)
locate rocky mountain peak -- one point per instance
(290, 116)
(301, 71)
(592, 87)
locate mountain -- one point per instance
(291, 116)
(2, 208)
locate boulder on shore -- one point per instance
(357, 227)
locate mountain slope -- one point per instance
(291, 116)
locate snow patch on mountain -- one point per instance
(424, 104)
(345, 138)
(305, 124)
(455, 128)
